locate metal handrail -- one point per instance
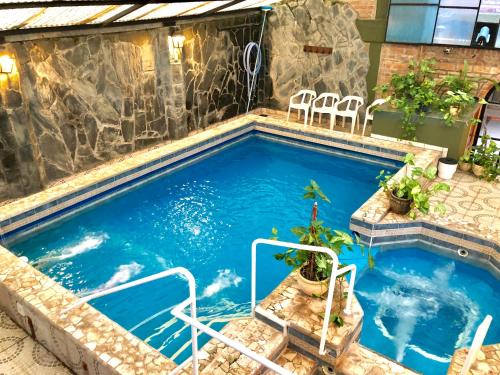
(191, 320)
(477, 342)
(335, 272)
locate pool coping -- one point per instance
(109, 348)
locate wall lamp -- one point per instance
(175, 44)
(6, 64)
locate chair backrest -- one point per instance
(352, 103)
(326, 100)
(371, 107)
(306, 96)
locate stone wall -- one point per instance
(77, 102)
(296, 23)
(216, 83)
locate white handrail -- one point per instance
(335, 272)
(477, 342)
(191, 320)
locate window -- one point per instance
(471, 23)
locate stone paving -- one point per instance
(296, 363)
(359, 360)
(21, 355)
(487, 361)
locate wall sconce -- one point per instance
(175, 44)
(6, 64)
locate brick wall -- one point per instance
(365, 8)
(395, 57)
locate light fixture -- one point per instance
(6, 64)
(175, 44)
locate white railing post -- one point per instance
(331, 287)
(477, 342)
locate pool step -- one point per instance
(359, 360)
(304, 316)
(296, 363)
(216, 358)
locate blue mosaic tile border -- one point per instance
(50, 210)
(422, 224)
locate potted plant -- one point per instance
(465, 161)
(485, 159)
(408, 195)
(315, 269)
(447, 168)
(413, 94)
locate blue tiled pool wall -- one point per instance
(368, 228)
(49, 211)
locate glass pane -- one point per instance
(460, 3)
(489, 11)
(411, 24)
(455, 26)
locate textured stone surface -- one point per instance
(216, 84)
(487, 361)
(359, 360)
(296, 23)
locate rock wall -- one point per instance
(77, 102)
(216, 83)
(296, 23)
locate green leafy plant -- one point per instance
(412, 93)
(316, 266)
(414, 186)
(487, 156)
(418, 91)
(466, 157)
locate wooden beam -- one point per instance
(122, 14)
(224, 6)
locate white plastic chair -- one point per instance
(306, 97)
(369, 112)
(325, 103)
(352, 104)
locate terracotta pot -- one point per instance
(478, 170)
(399, 205)
(310, 287)
(466, 167)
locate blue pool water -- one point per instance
(419, 307)
(203, 217)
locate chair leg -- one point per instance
(320, 118)
(353, 124)
(343, 121)
(298, 114)
(312, 117)
(357, 121)
(288, 116)
(364, 126)
(333, 117)
(306, 114)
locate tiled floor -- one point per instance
(21, 355)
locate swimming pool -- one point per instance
(419, 306)
(202, 217)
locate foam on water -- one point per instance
(225, 279)
(88, 243)
(413, 299)
(124, 273)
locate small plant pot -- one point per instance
(478, 170)
(464, 166)
(311, 287)
(447, 168)
(399, 205)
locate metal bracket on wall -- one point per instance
(320, 50)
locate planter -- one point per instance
(478, 170)
(433, 131)
(399, 205)
(447, 168)
(312, 288)
(465, 166)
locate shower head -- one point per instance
(266, 8)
